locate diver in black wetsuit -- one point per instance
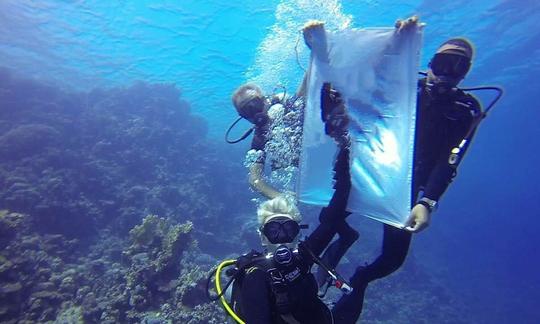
(446, 116)
(294, 295)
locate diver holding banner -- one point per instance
(446, 119)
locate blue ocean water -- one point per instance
(481, 244)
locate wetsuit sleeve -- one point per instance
(256, 180)
(443, 172)
(255, 294)
(335, 213)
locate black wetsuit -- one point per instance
(258, 299)
(442, 123)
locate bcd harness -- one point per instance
(456, 153)
(284, 267)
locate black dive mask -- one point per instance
(450, 65)
(281, 230)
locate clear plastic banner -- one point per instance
(375, 70)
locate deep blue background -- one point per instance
(483, 240)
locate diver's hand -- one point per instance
(419, 219)
(413, 21)
(334, 114)
(310, 29)
(331, 102)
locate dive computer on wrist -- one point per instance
(430, 204)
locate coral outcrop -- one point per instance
(81, 161)
(78, 171)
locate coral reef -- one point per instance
(32, 281)
(148, 277)
(155, 261)
(78, 172)
(79, 161)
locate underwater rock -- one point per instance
(5, 265)
(68, 285)
(90, 307)
(10, 223)
(31, 268)
(191, 290)
(70, 314)
(155, 255)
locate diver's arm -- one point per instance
(315, 39)
(409, 23)
(256, 169)
(307, 32)
(442, 174)
(256, 180)
(439, 180)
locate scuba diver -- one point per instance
(277, 126)
(277, 286)
(447, 119)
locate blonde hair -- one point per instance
(278, 205)
(245, 93)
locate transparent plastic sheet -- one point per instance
(375, 70)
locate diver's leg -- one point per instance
(396, 244)
(349, 307)
(395, 247)
(333, 254)
(335, 213)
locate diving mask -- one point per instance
(281, 229)
(450, 65)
